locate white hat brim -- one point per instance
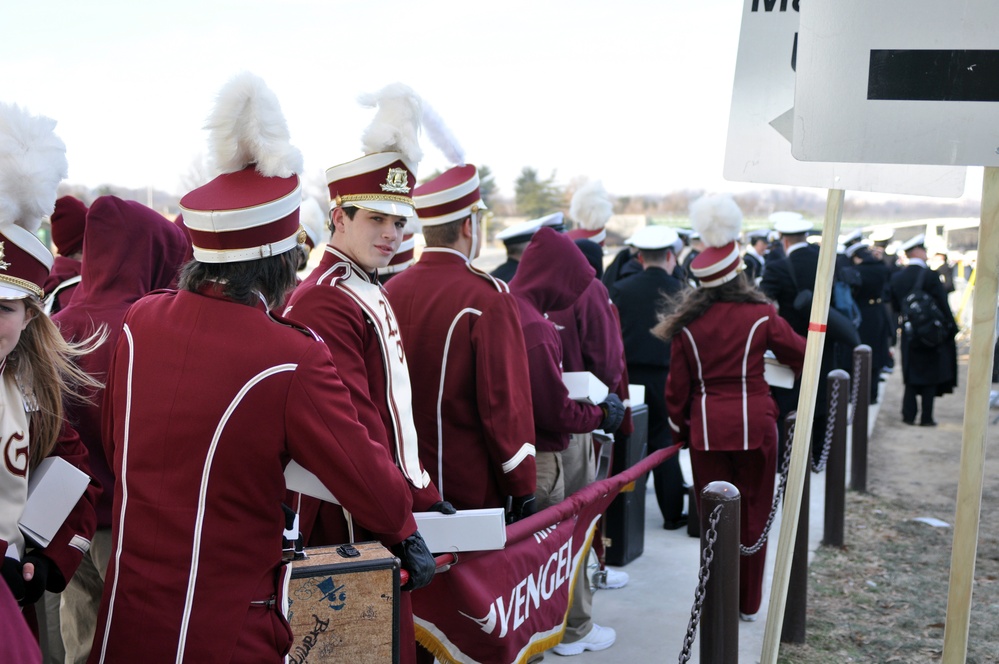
(385, 207)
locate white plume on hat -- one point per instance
(396, 126)
(247, 127)
(442, 138)
(591, 206)
(717, 218)
(32, 164)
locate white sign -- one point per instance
(898, 81)
(760, 121)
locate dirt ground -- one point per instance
(883, 597)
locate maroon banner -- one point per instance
(504, 606)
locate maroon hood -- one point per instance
(553, 272)
(128, 251)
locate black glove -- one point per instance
(443, 506)
(613, 413)
(417, 560)
(520, 507)
(13, 575)
(35, 588)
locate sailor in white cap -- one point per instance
(754, 258)
(927, 371)
(640, 299)
(516, 238)
(789, 282)
(876, 327)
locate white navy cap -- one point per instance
(652, 238)
(790, 223)
(918, 241)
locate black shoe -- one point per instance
(909, 422)
(676, 524)
(930, 423)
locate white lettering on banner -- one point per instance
(530, 592)
(543, 534)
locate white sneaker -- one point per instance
(599, 638)
(747, 617)
(610, 578)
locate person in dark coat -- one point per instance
(640, 300)
(876, 328)
(755, 256)
(926, 372)
(517, 237)
(783, 282)
(624, 264)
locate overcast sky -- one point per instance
(635, 93)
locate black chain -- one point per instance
(854, 388)
(781, 486)
(830, 428)
(707, 555)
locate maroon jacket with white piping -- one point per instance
(207, 401)
(716, 395)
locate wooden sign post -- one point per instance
(976, 417)
(810, 377)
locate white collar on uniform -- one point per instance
(795, 247)
(446, 250)
(347, 259)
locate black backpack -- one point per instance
(925, 324)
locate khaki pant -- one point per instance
(579, 467)
(551, 481)
(82, 598)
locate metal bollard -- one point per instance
(720, 611)
(858, 455)
(793, 627)
(832, 527)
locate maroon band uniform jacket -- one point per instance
(716, 395)
(207, 400)
(326, 302)
(471, 385)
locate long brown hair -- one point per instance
(691, 303)
(43, 364)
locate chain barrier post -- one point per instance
(858, 455)
(832, 528)
(793, 625)
(720, 613)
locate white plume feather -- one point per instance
(717, 218)
(591, 206)
(32, 164)
(396, 126)
(247, 127)
(442, 138)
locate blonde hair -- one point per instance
(43, 364)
